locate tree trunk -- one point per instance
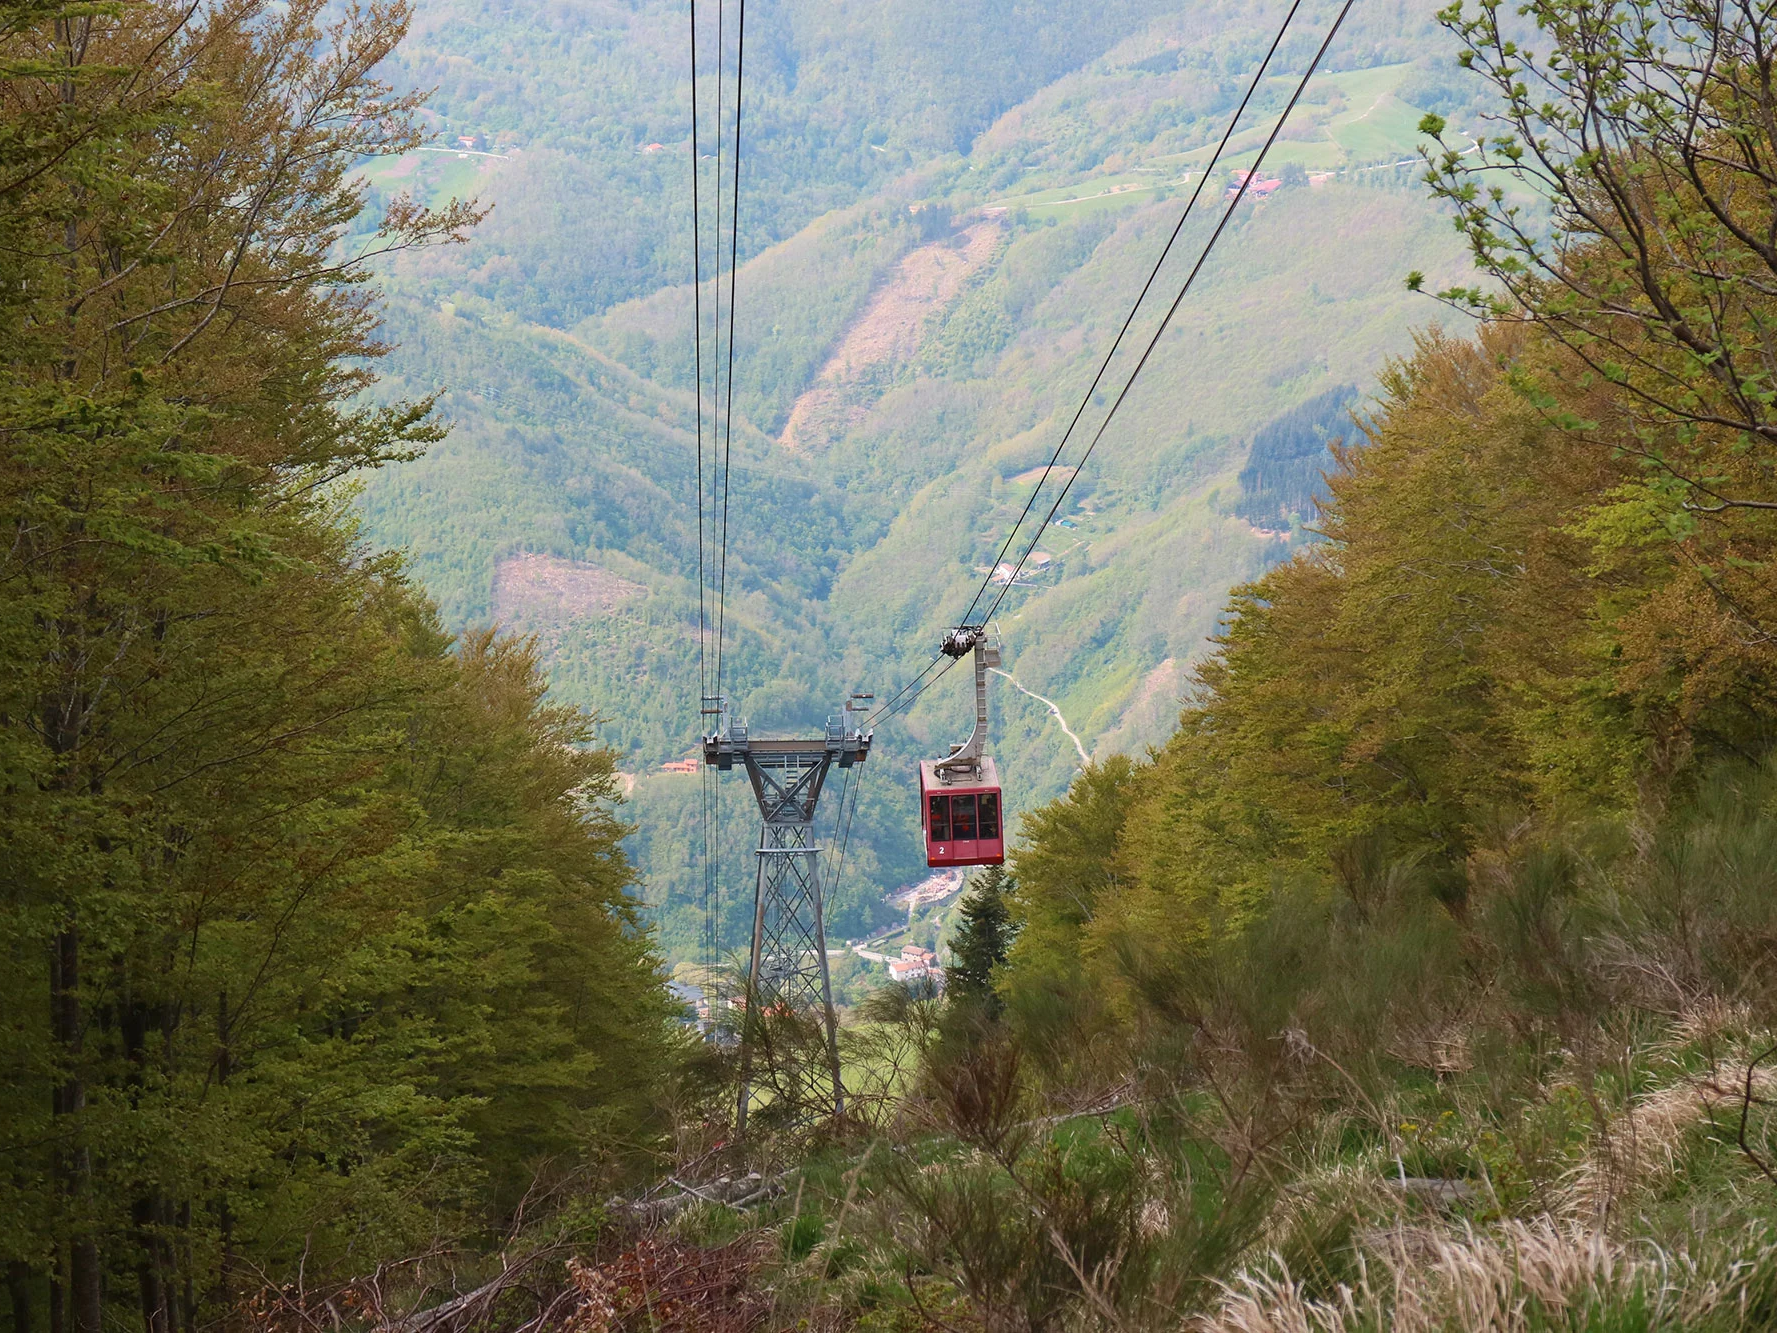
(18, 1286)
(149, 1212)
(151, 1268)
(84, 1299)
(187, 1266)
(224, 1217)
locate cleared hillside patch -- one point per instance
(888, 333)
(534, 589)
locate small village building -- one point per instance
(916, 964)
(1257, 187)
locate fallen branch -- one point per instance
(454, 1313)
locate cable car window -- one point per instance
(962, 817)
(939, 818)
(990, 814)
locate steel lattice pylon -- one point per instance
(788, 961)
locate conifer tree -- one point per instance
(982, 940)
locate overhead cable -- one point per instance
(844, 835)
(900, 704)
(894, 708)
(1191, 277)
(887, 707)
(740, 78)
(1117, 342)
(703, 685)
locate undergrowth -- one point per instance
(1549, 1109)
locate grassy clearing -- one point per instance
(1374, 124)
(1098, 204)
(1390, 127)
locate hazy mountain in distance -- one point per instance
(944, 218)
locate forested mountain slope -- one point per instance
(1417, 975)
(944, 218)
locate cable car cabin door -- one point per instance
(961, 816)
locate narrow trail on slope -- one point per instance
(1051, 706)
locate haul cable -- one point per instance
(740, 74)
(705, 815)
(1154, 273)
(844, 835)
(900, 704)
(740, 77)
(1202, 258)
(711, 812)
(889, 709)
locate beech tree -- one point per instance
(317, 937)
(1623, 202)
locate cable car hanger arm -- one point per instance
(966, 758)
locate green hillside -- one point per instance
(1385, 935)
(914, 328)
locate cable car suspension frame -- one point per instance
(959, 795)
(787, 970)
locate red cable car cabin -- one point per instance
(962, 815)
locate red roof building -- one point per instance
(1257, 187)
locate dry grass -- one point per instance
(1567, 1268)
(1640, 1147)
(1520, 1276)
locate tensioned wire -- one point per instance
(844, 834)
(888, 709)
(900, 704)
(704, 814)
(1191, 277)
(740, 76)
(1154, 273)
(710, 811)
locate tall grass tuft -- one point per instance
(1519, 1277)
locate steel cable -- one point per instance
(1178, 227)
(705, 813)
(899, 705)
(710, 813)
(844, 839)
(1166, 320)
(1191, 277)
(740, 77)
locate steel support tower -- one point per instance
(787, 971)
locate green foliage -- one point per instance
(318, 942)
(1449, 889)
(839, 103)
(1619, 156)
(1282, 479)
(982, 939)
